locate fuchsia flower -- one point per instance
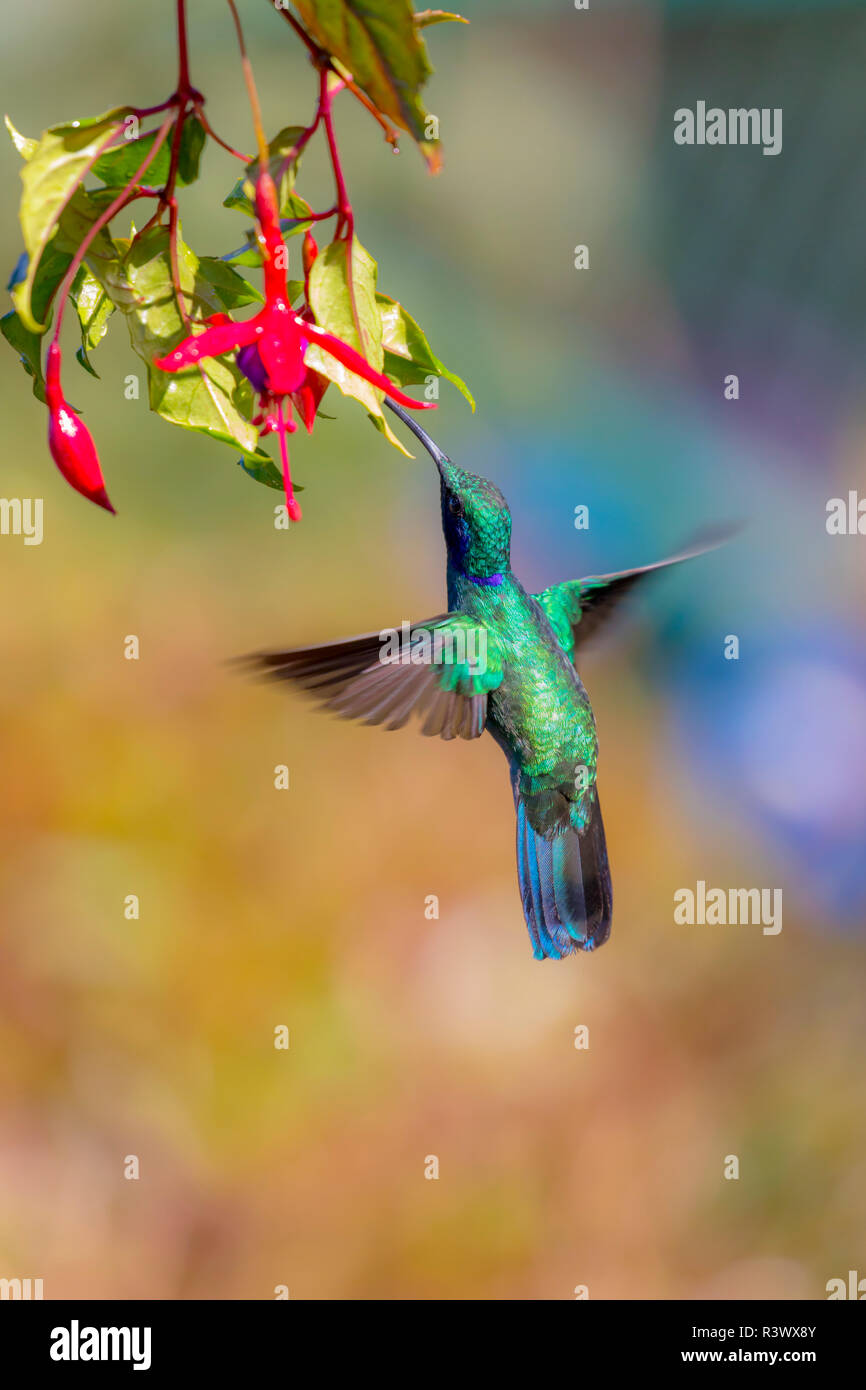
(271, 347)
(69, 439)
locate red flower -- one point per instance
(69, 439)
(271, 347)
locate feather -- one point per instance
(565, 884)
(350, 679)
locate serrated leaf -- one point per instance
(331, 302)
(213, 398)
(243, 193)
(424, 18)
(29, 348)
(379, 43)
(49, 177)
(409, 358)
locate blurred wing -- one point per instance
(440, 670)
(577, 608)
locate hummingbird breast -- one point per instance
(540, 714)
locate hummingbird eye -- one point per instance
(455, 506)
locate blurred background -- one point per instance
(305, 908)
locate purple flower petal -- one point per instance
(253, 368)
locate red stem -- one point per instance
(292, 507)
(182, 97)
(345, 228)
(209, 130)
(326, 116)
(182, 48)
(299, 145)
(143, 111)
(129, 193)
(321, 58)
(86, 170)
(252, 93)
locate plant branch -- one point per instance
(391, 134)
(323, 59)
(345, 228)
(127, 195)
(209, 130)
(182, 48)
(252, 93)
(299, 145)
(315, 52)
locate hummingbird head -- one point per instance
(476, 521)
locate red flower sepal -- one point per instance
(70, 441)
(272, 345)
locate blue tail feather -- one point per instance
(565, 885)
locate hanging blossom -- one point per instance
(69, 439)
(271, 347)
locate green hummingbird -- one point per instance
(501, 660)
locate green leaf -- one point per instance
(94, 308)
(331, 302)
(231, 289)
(250, 253)
(29, 348)
(409, 358)
(379, 43)
(192, 145)
(76, 220)
(423, 18)
(243, 193)
(50, 177)
(213, 398)
(55, 262)
(117, 166)
(262, 469)
(23, 143)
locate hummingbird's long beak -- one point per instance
(433, 449)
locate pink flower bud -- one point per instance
(70, 441)
(310, 252)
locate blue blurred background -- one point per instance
(410, 1037)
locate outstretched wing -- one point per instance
(441, 669)
(577, 608)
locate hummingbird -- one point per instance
(500, 660)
